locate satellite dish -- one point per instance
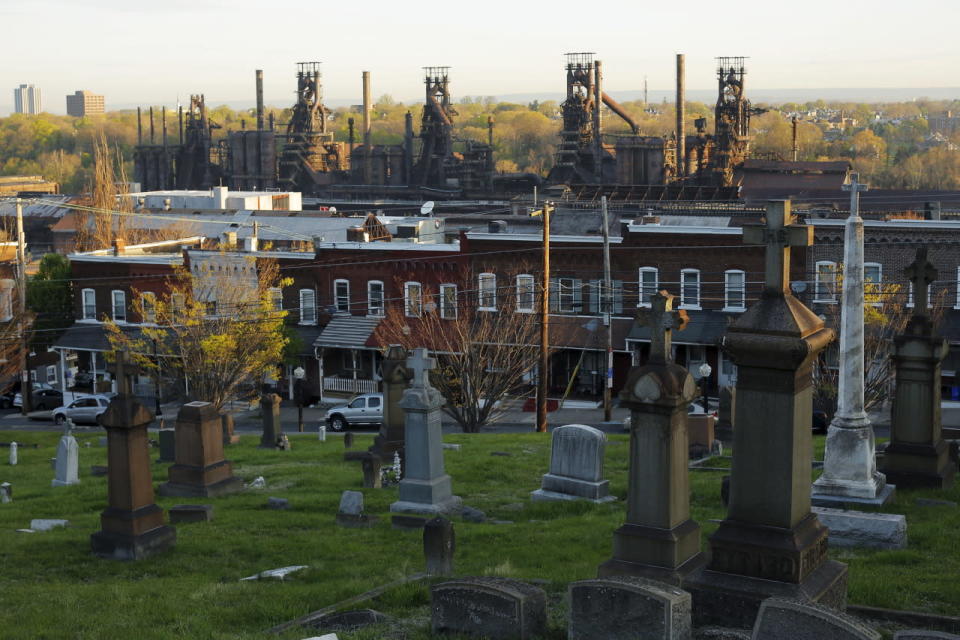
(798, 286)
(427, 207)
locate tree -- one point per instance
(217, 330)
(483, 355)
(49, 298)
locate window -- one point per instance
(412, 299)
(148, 301)
(872, 278)
(596, 296)
(178, 302)
(308, 306)
(566, 295)
(526, 293)
(690, 289)
(448, 301)
(735, 292)
(51, 374)
(211, 308)
(649, 281)
(275, 296)
(825, 289)
(119, 299)
(375, 298)
(341, 296)
(359, 403)
(487, 290)
(89, 304)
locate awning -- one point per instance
(91, 337)
(704, 328)
(308, 335)
(347, 332)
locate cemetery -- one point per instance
(579, 533)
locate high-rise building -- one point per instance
(84, 103)
(26, 99)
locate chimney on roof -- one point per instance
(119, 246)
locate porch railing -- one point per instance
(349, 385)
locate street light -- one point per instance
(298, 375)
(705, 370)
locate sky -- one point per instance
(154, 52)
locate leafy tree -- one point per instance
(49, 298)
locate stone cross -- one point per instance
(123, 382)
(920, 273)
(68, 427)
(662, 320)
(421, 364)
(855, 187)
(779, 234)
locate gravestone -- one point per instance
(439, 543)
(849, 461)
(728, 404)
(67, 460)
(919, 634)
(628, 608)
(348, 440)
(659, 540)
(168, 445)
(701, 431)
(425, 487)
(396, 376)
(6, 493)
(494, 608)
(132, 524)
(270, 415)
(917, 455)
(863, 529)
(770, 543)
(779, 619)
(371, 472)
(13, 453)
(200, 469)
(191, 513)
(227, 423)
(351, 512)
(576, 466)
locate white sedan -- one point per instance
(84, 409)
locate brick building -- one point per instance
(84, 103)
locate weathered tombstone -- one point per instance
(728, 403)
(863, 529)
(168, 445)
(278, 503)
(322, 433)
(6, 492)
(227, 424)
(371, 472)
(351, 512)
(200, 469)
(13, 453)
(779, 619)
(494, 608)
(68, 460)
(425, 487)
(270, 414)
(439, 544)
(659, 540)
(849, 462)
(191, 513)
(770, 543)
(396, 376)
(132, 523)
(576, 466)
(917, 455)
(701, 430)
(348, 440)
(919, 634)
(628, 608)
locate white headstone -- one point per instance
(13, 453)
(6, 493)
(351, 503)
(68, 462)
(322, 433)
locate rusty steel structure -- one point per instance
(731, 120)
(436, 161)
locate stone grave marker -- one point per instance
(918, 455)
(864, 529)
(728, 403)
(67, 467)
(919, 634)
(191, 513)
(780, 619)
(6, 493)
(425, 487)
(439, 543)
(348, 440)
(770, 543)
(270, 415)
(351, 512)
(396, 376)
(168, 445)
(576, 466)
(227, 423)
(628, 608)
(200, 468)
(13, 453)
(494, 608)
(132, 524)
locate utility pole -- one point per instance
(544, 367)
(606, 307)
(25, 386)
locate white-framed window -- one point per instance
(448, 301)
(735, 290)
(487, 292)
(825, 286)
(51, 374)
(595, 296)
(275, 295)
(526, 293)
(178, 304)
(566, 295)
(648, 282)
(119, 301)
(148, 303)
(308, 306)
(375, 298)
(929, 295)
(872, 282)
(412, 299)
(89, 299)
(690, 289)
(341, 295)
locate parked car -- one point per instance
(362, 409)
(86, 409)
(45, 399)
(38, 388)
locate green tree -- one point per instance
(49, 299)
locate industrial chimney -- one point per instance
(259, 99)
(367, 151)
(681, 116)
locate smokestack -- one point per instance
(681, 116)
(259, 99)
(139, 128)
(597, 123)
(367, 151)
(490, 131)
(408, 146)
(151, 125)
(796, 147)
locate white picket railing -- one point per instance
(349, 385)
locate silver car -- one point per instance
(86, 409)
(362, 409)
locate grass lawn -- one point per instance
(51, 586)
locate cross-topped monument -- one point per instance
(662, 320)
(778, 235)
(921, 275)
(855, 187)
(421, 364)
(120, 371)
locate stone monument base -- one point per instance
(427, 497)
(543, 494)
(639, 551)
(919, 466)
(118, 546)
(221, 488)
(450, 504)
(836, 501)
(557, 487)
(63, 483)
